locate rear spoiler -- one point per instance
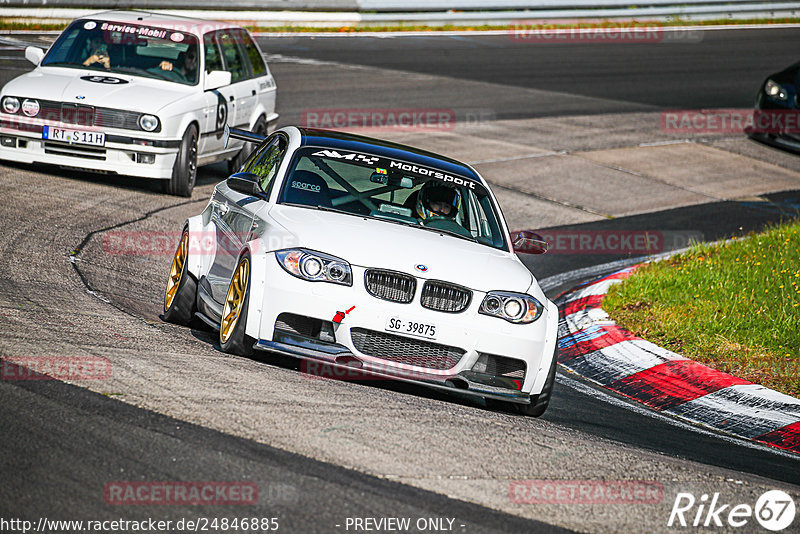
(243, 135)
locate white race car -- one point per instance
(138, 94)
(356, 253)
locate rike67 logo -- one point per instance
(774, 510)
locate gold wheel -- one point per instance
(176, 272)
(234, 300)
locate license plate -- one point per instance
(411, 328)
(76, 137)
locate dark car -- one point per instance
(776, 120)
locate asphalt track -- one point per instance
(323, 451)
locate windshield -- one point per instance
(395, 191)
(127, 49)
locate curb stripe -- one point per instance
(590, 301)
(673, 383)
(621, 360)
(592, 345)
(591, 339)
(747, 410)
(787, 437)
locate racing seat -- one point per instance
(307, 188)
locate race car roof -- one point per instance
(387, 149)
(160, 20)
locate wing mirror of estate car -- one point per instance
(216, 79)
(246, 183)
(34, 55)
(527, 242)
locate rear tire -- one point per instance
(232, 338)
(236, 162)
(181, 292)
(184, 172)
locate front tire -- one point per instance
(232, 338)
(184, 172)
(539, 403)
(181, 292)
(538, 406)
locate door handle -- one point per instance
(230, 98)
(254, 92)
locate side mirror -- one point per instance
(216, 79)
(527, 242)
(34, 55)
(245, 183)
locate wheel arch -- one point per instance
(258, 268)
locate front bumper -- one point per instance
(124, 154)
(340, 364)
(469, 331)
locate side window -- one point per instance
(266, 161)
(234, 62)
(257, 66)
(213, 57)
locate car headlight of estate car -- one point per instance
(513, 307)
(10, 104)
(30, 107)
(149, 123)
(315, 266)
(775, 90)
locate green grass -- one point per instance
(733, 306)
(13, 24)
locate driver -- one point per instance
(98, 54)
(438, 200)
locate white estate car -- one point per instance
(355, 253)
(138, 94)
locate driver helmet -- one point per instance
(433, 199)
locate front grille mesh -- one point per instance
(405, 350)
(298, 324)
(502, 366)
(76, 151)
(390, 285)
(441, 296)
(80, 115)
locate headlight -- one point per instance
(775, 90)
(315, 266)
(10, 104)
(148, 122)
(513, 307)
(30, 107)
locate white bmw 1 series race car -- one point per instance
(356, 253)
(138, 94)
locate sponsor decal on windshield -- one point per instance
(143, 31)
(397, 165)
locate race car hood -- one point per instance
(386, 245)
(133, 93)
